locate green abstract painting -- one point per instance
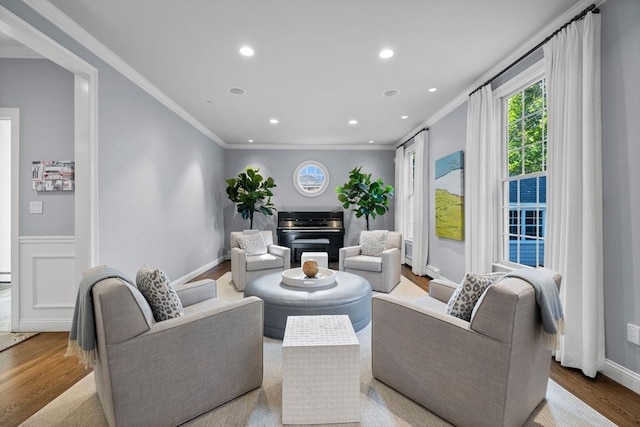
(450, 196)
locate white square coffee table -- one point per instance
(322, 258)
(320, 371)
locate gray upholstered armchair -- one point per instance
(381, 268)
(490, 371)
(246, 266)
(166, 373)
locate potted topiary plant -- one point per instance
(249, 191)
(370, 198)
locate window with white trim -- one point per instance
(410, 168)
(524, 177)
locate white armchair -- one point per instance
(245, 266)
(380, 267)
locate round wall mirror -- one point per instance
(311, 178)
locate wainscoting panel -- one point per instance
(48, 285)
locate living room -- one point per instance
(156, 192)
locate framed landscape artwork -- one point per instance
(450, 196)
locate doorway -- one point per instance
(85, 143)
(5, 223)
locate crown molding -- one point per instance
(533, 41)
(371, 147)
(79, 34)
(19, 52)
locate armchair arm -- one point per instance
(215, 353)
(391, 266)
(239, 266)
(346, 252)
(391, 254)
(195, 292)
(279, 250)
(442, 289)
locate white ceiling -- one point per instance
(316, 63)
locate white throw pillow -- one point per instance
(159, 293)
(468, 293)
(253, 244)
(373, 243)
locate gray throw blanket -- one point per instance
(82, 337)
(548, 301)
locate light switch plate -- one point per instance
(35, 207)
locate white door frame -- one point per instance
(85, 152)
(13, 115)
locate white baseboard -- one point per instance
(184, 279)
(622, 375)
(40, 325)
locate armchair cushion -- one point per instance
(364, 262)
(263, 262)
(253, 243)
(468, 293)
(154, 284)
(373, 243)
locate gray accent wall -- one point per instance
(160, 184)
(621, 176)
(446, 136)
(161, 187)
(43, 91)
(281, 164)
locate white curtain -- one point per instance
(400, 197)
(420, 253)
(574, 193)
(481, 175)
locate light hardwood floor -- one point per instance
(35, 372)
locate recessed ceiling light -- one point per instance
(371, 141)
(246, 51)
(392, 92)
(386, 53)
(353, 122)
(251, 140)
(237, 91)
(433, 89)
(273, 121)
(404, 117)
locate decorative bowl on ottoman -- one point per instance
(296, 277)
(310, 268)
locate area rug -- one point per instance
(9, 339)
(380, 405)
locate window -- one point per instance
(311, 178)
(410, 168)
(524, 197)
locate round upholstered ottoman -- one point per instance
(350, 295)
